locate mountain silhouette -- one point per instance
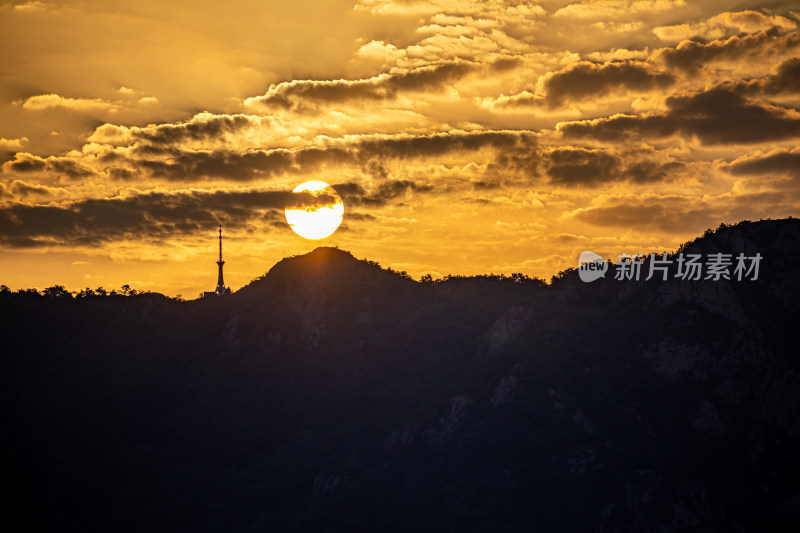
(335, 395)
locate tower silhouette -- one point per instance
(221, 289)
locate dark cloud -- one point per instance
(782, 163)
(150, 216)
(488, 183)
(118, 173)
(785, 80)
(350, 191)
(651, 171)
(523, 158)
(505, 64)
(175, 164)
(585, 80)
(314, 157)
(184, 165)
(717, 116)
(442, 143)
(312, 200)
(428, 78)
(201, 128)
(578, 166)
(568, 237)
(391, 190)
(297, 94)
(360, 216)
(24, 163)
(156, 215)
(375, 170)
(23, 189)
(356, 194)
(691, 55)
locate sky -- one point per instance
(464, 137)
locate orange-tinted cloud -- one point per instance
(690, 55)
(300, 94)
(585, 79)
(716, 116)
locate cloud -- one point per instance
(406, 146)
(785, 80)
(584, 79)
(161, 160)
(204, 128)
(311, 200)
(298, 94)
(520, 100)
(186, 165)
(25, 163)
(724, 24)
(164, 215)
(355, 194)
(691, 55)
(24, 189)
(50, 101)
(12, 144)
(716, 116)
(605, 10)
(779, 162)
(652, 171)
(31, 7)
(156, 215)
(579, 166)
(386, 53)
(582, 167)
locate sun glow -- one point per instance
(318, 211)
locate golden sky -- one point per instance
(464, 136)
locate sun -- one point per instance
(316, 210)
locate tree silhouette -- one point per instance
(32, 292)
(85, 293)
(57, 291)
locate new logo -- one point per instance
(591, 266)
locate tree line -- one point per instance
(59, 291)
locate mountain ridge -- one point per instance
(332, 394)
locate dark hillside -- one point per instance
(334, 395)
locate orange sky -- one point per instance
(463, 136)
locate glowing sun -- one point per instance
(316, 210)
